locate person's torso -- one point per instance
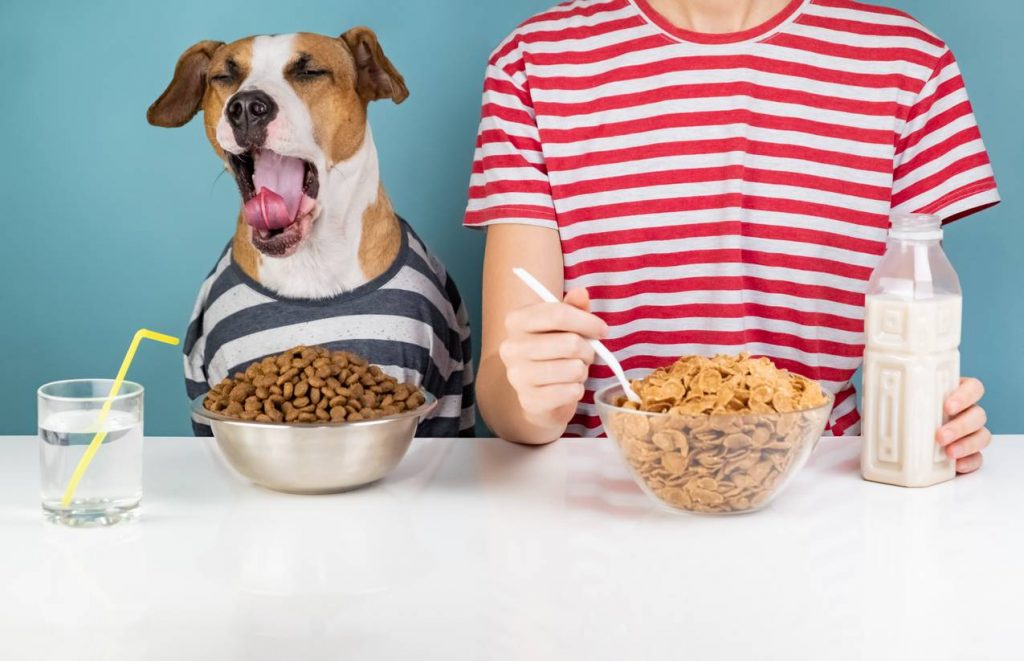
(717, 198)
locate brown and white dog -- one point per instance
(288, 116)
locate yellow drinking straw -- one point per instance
(97, 440)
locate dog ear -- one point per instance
(181, 100)
(377, 77)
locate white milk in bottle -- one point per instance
(912, 357)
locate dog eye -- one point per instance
(309, 74)
(223, 78)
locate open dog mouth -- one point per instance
(279, 195)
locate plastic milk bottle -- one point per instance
(912, 358)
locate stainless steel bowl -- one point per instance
(314, 458)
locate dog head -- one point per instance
(281, 111)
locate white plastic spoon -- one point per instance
(600, 349)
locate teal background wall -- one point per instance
(109, 224)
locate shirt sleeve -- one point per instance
(509, 183)
(467, 420)
(941, 165)
(196, 378)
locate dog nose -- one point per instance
(250, 112)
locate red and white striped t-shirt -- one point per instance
(725, 193)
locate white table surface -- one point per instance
(482, 550)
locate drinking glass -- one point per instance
(111, 488)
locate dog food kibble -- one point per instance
(732, 430)
(312, 385)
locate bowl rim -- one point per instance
(600, 399)
(200, 411)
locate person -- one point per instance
(702, 177)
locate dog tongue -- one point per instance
(278, 182)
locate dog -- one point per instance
(318, 256)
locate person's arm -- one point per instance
(534, 357)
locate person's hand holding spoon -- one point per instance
(548, 352)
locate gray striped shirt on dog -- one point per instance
(411, 321)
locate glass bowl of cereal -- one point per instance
(721, 435)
